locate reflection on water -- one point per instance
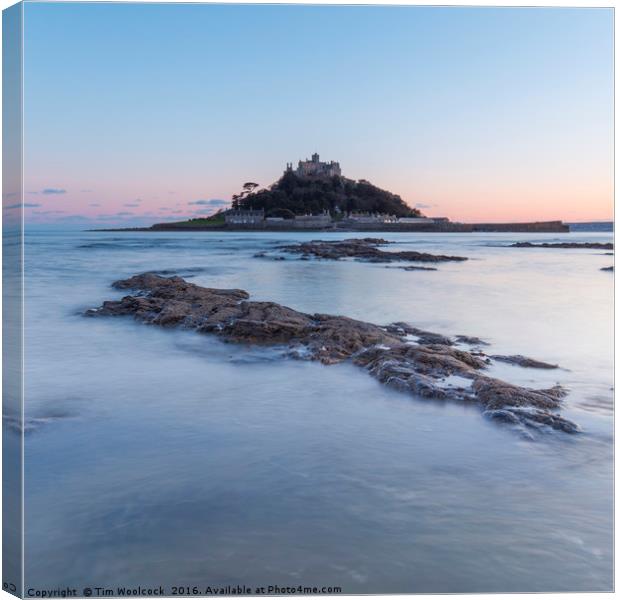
(165, 456)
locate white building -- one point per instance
(365, 217)
(313, 221)
(244, 217)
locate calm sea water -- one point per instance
(167, 457)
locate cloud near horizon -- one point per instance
(211, 202)
(51, 191)
(76, 218)
(205, 211)
(20, 205)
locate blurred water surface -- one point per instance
(167, 457)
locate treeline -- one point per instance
(293, 195)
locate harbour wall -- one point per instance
(445, 227)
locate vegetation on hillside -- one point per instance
(216, 220)
(293, 195)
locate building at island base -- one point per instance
(368, 217)
(372, 218)
(358, 221)
(256, 219)
(244, 217)
(322, 221)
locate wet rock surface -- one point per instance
(431, 366)
(524, 361)
(591, 245)
(414, 268)
(367, 249)
(265, 255)
(471, 340)
(423, 337)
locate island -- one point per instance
(316, 196)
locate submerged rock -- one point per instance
(424, 337)
(591, 245)
(431, 367)
(414, 268)
(535, 418)
(495, 393)
(524, 361)
(363, 249)
(471, 340)
(265, 255)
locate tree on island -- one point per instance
(247, 188)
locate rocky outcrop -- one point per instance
(363, 249)
(590, 245)
(420, 362)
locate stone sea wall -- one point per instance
(446, 227)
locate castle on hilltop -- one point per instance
(314, 168)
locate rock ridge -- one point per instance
(367, 249)
(420, 362)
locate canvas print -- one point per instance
(307, 299)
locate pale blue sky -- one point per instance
(474, 113)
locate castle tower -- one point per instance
(315, 168)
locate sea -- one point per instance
(166, 457)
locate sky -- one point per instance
(135, 114)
